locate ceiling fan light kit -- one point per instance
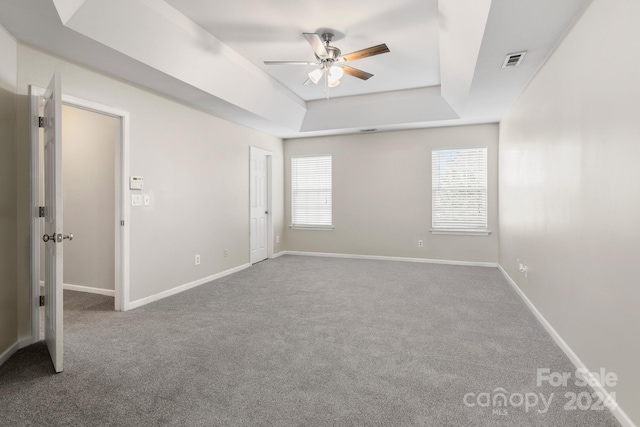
(316, 75)
(334, 75)
(330, 60)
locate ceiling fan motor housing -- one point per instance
(333, 53)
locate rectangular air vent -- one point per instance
(513, 59)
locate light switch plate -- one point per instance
(136, 200)
(147, 200)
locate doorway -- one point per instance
(89, 139)
(94, 172)
(260, 218)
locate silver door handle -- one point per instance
(59, 238)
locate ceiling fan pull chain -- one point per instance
(326, 82)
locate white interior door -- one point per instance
(53, 236)
(259, 205)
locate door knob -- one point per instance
(59, 238)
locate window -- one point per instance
(311, 192)
(459, 191)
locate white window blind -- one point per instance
(459, 190)
(311, 191)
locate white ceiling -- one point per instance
(444, 65)
(272, 30)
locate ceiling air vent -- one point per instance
(513, 59)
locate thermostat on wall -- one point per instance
(136, 183)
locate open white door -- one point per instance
(53, 236)
(259, 205)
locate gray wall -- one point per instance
(8, 195)
(196, 169)
(570, 192)
(382, 194)
(88, 156)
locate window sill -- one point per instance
(312, 227)
(460, 232)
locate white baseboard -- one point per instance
(88, 289)
(99, 291)
(9, 352)
(390, 258)
(21, 343)
(620, 415)
(185, 287)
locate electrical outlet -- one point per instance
(420, 243)
(523, 269)
(226, 253)
(197, 259)
(277, 239)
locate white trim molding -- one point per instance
(455, 232)
(13, 348)
(88, 289)
(312, 227)
(617, 411)
(185, 287)
(9, 352)
(23, 342)
(391, 258)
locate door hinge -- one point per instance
(41, 212)
(41, 300)
(40, 122)
(122, 223)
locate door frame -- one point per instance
(122, 209)
(269, 156)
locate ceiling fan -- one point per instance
(331, 60)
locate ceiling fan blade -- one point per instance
(290, 63)
(316, 43)
(370, 51)
(357, 73)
